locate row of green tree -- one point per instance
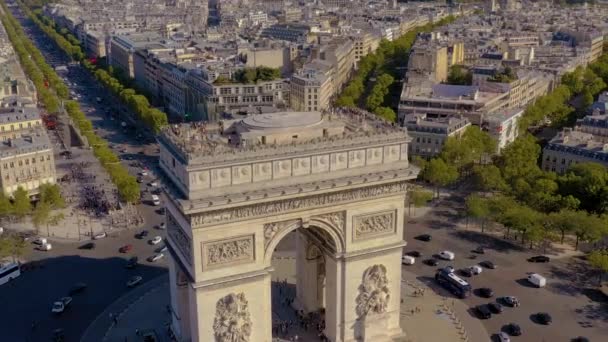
(578, 87)
(153, 118)
(56, 93)
(388, 60)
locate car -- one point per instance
(131, 263)
(510, 301)
(512, 329)
(466, 272)
(479, 250)
(140, 180)
(142, 234)
(431, 262)
(134, 281)
(483, 312)
(475, 269)
(424, 237)
(447, 255)
(539, 258)
(161, 249)
(495, 307)
(100, 236)
(143, 173)
(503, 337)
(414, 254)
(449, 269)
(156, 240)
(580, 339)
(156, 257)
(162, 225)
(39, 241)
(488, 264)
(408, 260)
(125, 248)
(88, 245)
(153, 184)
(543, 318)
(485, 292)
(77, 288)
(62, 304)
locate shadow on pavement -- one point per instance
(525, 283)
(488, 241)
(28, 298)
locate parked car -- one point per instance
(466, 272)
(88, 245)
(449, 269)
(156, 240)
(479, 250)
(539, 258)
(125, 248)
(424, 237)
(153, 184)
(39, 241)
(77, 288)
(156, 257)
(488, 264)
(62, 304)
(512, 329)
(510, 301)
(161, 249)
(495, 307)
(44, 247)
(131, 263)
(503, 337)
(483, 312)
(162, 225)
(580, 339)
(99, 236)
(543, 318)
(134, 281)
(431, 262)
(486, 292)
(447, 255)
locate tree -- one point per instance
(478, 208)
(51, 194)
(588, 182)
(21, 203)
(599, 260)
(438, 173)
(589, 228)
(418, 198)
(13, 246)
(489, 178)
(565, 221)
(6, 207)
(459, 75)
(520, 159)
(521, 218)
(386, 113)
(41, 214)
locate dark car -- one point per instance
(414, 254)
(539, 258)
(142, 234)
(488, 264)
(131, 263)
(485, 292)
(125, 248)
(580, 339)
(431, 262)
(424, 237)
(77, 288)
(479, 250)
(510, 301)
(466, 272)
(512, 329)
(483, 311)
(543, 318)
(495, 307)
(89, 245)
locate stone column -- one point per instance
(307, 279)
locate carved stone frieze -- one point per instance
(371, 225)
(271, 229)
(265, 209)
(232, 319)
(337, 219)
(374, 293)
(235, 250)
(181, 239)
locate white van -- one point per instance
(447, 255)
(155, 200)
(537, 280)
(408, 260)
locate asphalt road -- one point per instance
(29, 297)
(569, 297)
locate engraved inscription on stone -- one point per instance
(181, 239)
(266, 209)
(371, 225)
(235, 250)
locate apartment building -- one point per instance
(429, 133)
(503, 126)
(571, 147)
(365, 43)
(340, 53)
(26, 154)
(297, 33)
(123, 48)
(311, 88)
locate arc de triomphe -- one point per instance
(240, 186)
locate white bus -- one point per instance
(9, 272)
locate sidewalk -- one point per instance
(430, 317)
